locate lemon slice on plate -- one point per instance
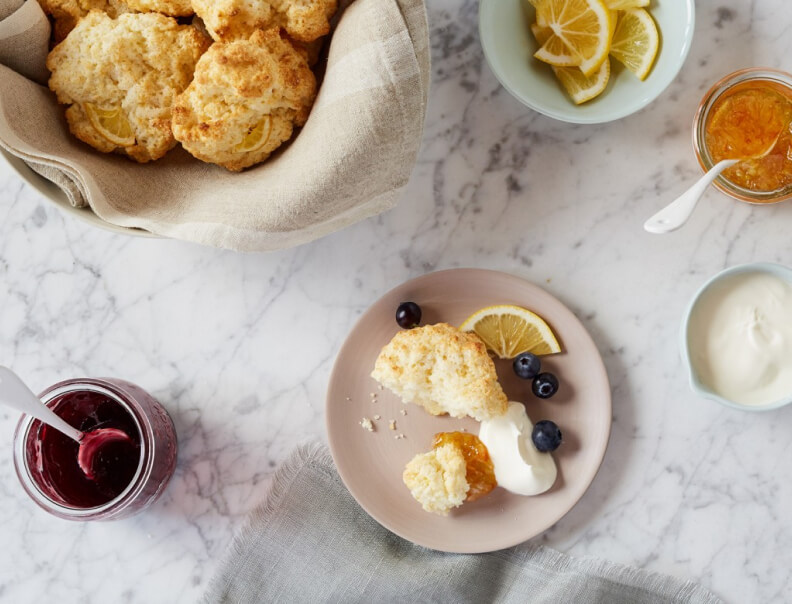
(636, 41)
(111, 123)
(581, 88)
(257, 137)
(625, 4)
(510, 330)
(584, 26)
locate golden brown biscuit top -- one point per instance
(68, 12)
(134, 65)
(237, 85)
(304, 20)
(174, 8)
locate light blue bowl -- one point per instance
(504, 28)
(778, 270)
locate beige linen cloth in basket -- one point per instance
(349, 162)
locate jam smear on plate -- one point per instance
(479, 469)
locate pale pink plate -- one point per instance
(371, 464)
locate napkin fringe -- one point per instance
(312, 453)
(541, 566)
(639, 579)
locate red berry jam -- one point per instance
(128, 475)
(115, 463)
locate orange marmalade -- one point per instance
(752, 121)
(479, 469)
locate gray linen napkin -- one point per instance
(311, 542)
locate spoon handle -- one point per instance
(675, 214)
(14, 393)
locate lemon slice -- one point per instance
(510, 330)
(541, 34)
(636, 41)
(257, 137)
(625, 4)
(540, 20)
(555, 52)
(584, 26)
(111, 123)
(579, 87)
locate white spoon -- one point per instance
(675, 214)
(14, 393)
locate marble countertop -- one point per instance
(239, 347)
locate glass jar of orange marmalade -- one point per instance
(748, 115)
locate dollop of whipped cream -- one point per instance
(519, 466)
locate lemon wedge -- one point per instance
(541, 34)
(510, 330)
(581, 88)
(539, 16)
(625, 4)
(636, 41)
(111, 123)
(257, 137)
(584, 26)
(555, 52)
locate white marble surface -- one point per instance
(239, 347)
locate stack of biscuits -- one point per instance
(228, 79)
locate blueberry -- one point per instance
(408, 315)
(546, 436)
(545, 385)
(527, 365)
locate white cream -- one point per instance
(519, 466)
(740, 338)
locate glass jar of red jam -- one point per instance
(130, 475)
(748, 114)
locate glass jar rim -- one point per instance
(699, 129)
(22, 435)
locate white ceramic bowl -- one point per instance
(504, 27)
(696, 384)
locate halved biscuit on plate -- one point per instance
(442, 369)
(437, 479)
